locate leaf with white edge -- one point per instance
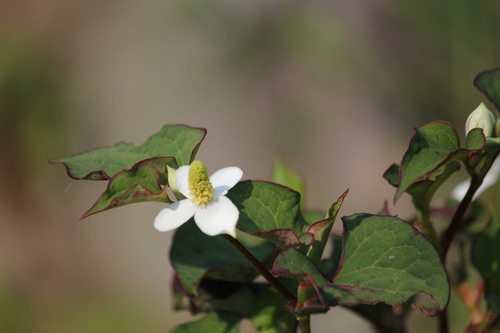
(486, 258)
(284, 175)
(178, 141)
(431, 145)
(141, 183)
(195, 255)
(387, 260)
(216, 322)
(268, 210)
(488, 82)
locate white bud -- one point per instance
(482, 118)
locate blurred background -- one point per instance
(334, 86)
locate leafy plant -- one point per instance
(231, 231)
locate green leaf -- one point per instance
(486, 258)
(488, 82)
(268, 210)
(383, 260)
(321, 230)
(423, 191)
(387, 260)
(431, 145)
(195, 255)
(214, 295)
(392, 175)
(270, 315)
(178, 141)
(284, 175)
(294, 264)
(217, 322)
(139, 184)
(475, 139)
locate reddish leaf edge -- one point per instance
(140, 163)
(102, 175)
(428, 312)
(446, 160)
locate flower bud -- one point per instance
(482, 118)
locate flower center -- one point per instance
(199, 185)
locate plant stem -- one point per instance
(304, 323)
(263, 271)
(443, 322)
(452, 229)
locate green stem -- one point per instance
(304, 323)
(451, 231)
(453, 228)
(263, 271)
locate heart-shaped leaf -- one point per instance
(488, 82)
(268, 210)
(387, 260)
(384, 260)
(178, 141)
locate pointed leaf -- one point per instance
(283, 174)
(488, 82)
(392, 175)
(321, 230)
(139, 184)
(195, 255)
(178, 141)
(431, 145)
(387, 260)
(268, 210)
(217, 322)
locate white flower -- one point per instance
(491, 178)
(481, 118)
(205, 199)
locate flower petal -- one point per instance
(218, 217)
(175, 215)
(224, 179)
(182, 175)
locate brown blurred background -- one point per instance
(336, 86)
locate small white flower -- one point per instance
(481, 118)
(490, 179)
(213, 212)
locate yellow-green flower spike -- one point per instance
(199, 185)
